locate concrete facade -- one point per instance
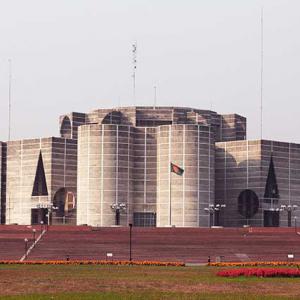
(36, 170)
(112, 167)
(245, 165)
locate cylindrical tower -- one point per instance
(104, 174)
(181, 199)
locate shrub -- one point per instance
(93, 262)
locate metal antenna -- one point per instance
(261, 72)
(154, 105)
(9, 97)
(119, 102)
(134, 63)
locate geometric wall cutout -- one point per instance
(40, 184)
(271, 189)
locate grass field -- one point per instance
(136, 282)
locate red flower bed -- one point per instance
(260, 272)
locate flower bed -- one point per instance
(260, 272)
(93, 262)
(256, 264)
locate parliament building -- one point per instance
(112, 167)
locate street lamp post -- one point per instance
(50, 208)
(48, 220)
(214, 211)
(130, 242)
(118, 208)
(26, 245)
(289, 208)
(295, 218)
(42, 223)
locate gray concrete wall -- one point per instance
(233, 127)
(64, 170)
(238, 167)
(69, 124)
(244, 165)
(144, 173)
(22, 160)
(286, 158)
(226, 127)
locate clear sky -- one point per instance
(75, 55)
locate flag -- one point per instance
(177, 170)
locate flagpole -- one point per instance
(170, 190)
(9, 98)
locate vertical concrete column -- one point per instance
(104, 166)
(190, 147)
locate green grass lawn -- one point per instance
(136, 282)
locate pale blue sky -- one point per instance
(75, 55)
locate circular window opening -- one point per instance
(64, 207)
(248, 203)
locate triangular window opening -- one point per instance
(271, 190)
(40, 185)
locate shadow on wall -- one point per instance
(116, 117)
(240, 186)
(66, 128)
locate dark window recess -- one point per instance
(40, 185)
(144, 219)
(271, 218)
(152, 123)
(271, 189)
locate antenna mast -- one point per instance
(154, 104)
(261, 72)
(9, 97)
(134, 64)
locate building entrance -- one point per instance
(39, 215)
(271, 218)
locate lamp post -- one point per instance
(289, 208)
(26, 245)
(48, 220)
(295, 218)
(214, 211)
(42, 223)
(34, 231)
(118, 208)
(130, 242)
(50, 208)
